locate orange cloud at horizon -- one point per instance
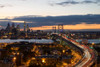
(70, 27)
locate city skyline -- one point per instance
(10, 9)
(45, 23)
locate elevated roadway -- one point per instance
(88, 55)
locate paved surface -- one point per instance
(88, 57)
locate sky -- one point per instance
(71, 27)
(48, 7)
(12, 8)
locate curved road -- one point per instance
(89, 55)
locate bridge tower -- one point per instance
(60, 28)
(60, 31)
(54, 29)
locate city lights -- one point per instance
(33, 58)
(43, 60)
(42, 49)
(14, 59)
(63, 51)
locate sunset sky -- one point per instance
(13, 8)
(70, 27)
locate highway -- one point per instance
(89, 56)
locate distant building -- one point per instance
(24, 27)
(28, 30)
(18, 29)
(8, 28)
(13, 25)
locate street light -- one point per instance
(14, 59)
(43, 60)
(33, 58)
(93, 43)
(18, 53)
(63, 51)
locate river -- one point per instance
(90, 40)
(26, 40)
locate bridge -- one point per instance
(89, 56)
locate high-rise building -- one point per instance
(8, 28)
(18, 29)
(13, 25)
(28, 30)
(24, 26)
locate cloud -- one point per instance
(88, 2)
(7, 5)
(37, 21)
(97, 0)
(14, 21)
(53, 20)
(75, 2)
(67, 3)
(2, 6)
